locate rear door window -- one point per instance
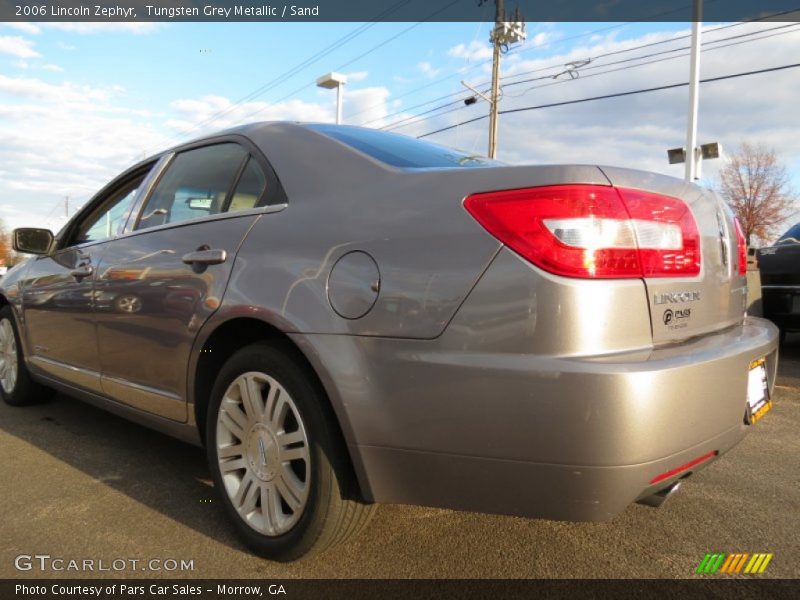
(198, 183)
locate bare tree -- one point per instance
(755, 186)
(7, 255)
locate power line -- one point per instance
(362, 55)
(615, 95)
(288, 74)
(415, 119)
(561, 65)
(524, 48)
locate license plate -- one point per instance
(758, 400)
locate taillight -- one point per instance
(741, 245)
(593, 231)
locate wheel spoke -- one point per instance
(232, 451)
(233, 465)
(272, 396)
(251, 498)
(287, 493)
(230, 425)
(279, 414)
(244, 486)
(236, 413)
(251, 398)
(299, 453)
(287, 439)
(269, 508)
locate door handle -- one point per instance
(82, 271)
(205, 257)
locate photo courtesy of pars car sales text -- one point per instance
(153, 589)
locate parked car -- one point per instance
(780, 281)
(358, 317)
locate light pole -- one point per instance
(329, 82)
(692, 158)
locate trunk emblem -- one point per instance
(676, 298)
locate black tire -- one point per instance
(25, 391)
(333, 512)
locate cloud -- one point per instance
(65, 139)
(474, 51)
(356, 76)
(137, 28)
(636, 131)
(17, 46)
(32, 88)
(29, 28)
(428, 70)
(52, 67)
(195, 117)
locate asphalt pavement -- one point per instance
(78, 483)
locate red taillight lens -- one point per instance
(741, 245)
(593, 231)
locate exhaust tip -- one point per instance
(657, 499)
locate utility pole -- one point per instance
(499, 17)
(503, 35)
(692, 159)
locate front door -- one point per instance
(59, 293)
(158, 284)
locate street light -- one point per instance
(330, 81)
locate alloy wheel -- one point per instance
(129, 304)
(263, 453)
(9, 358)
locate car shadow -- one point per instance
(162, 473)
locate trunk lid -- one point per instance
(686, 307)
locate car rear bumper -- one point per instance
(444, 423)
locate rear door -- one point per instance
(684, 307)
(158, 284)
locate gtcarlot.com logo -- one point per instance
(45, 562)
(733, 564)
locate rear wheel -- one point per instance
(275, 458)
(16, 386)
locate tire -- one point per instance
(16, 385)
(287, 485)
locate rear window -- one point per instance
(791, 237)
(402, 151)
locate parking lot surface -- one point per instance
(78, 483)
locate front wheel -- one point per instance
(16, 386)
(275, 458)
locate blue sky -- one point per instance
(80, 102)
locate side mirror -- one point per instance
(31, 240)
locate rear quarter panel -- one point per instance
(428, 249)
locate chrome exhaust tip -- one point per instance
(657, 499)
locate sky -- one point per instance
(80, 102)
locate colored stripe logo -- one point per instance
(732, 564)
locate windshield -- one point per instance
(790, 237)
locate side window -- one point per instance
(196, 184)
(250, 188)
(110, 216)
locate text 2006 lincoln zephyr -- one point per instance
(345, 317)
